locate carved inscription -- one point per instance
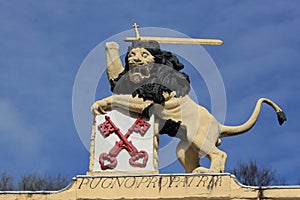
(157, 182)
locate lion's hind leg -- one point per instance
(187, 156)
(217, 160)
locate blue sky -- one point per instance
(43, 44)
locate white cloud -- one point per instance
(20, 142)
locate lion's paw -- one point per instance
(99, 107)
(112, 45)
(201, 170)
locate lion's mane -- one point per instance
(165, 76)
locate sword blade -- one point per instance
(168, 40)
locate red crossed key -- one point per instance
(108, 127)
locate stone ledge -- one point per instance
(158, 186)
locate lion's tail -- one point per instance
(236, 130)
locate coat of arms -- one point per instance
(153, 92)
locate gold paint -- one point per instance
(169, 40)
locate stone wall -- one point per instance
(170, 186)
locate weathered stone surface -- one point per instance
(171, 186)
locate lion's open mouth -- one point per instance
(139, 73)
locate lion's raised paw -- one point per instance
(112, 45)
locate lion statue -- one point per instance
(152, 82)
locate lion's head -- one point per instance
(149, 72)
(140, 62)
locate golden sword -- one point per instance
(170, 40)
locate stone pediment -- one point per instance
(159, 186)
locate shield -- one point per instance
(123, 143)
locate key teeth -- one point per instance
(141, 126)
(106, 128)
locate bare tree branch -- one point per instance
(251, 174)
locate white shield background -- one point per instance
(123, 121)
